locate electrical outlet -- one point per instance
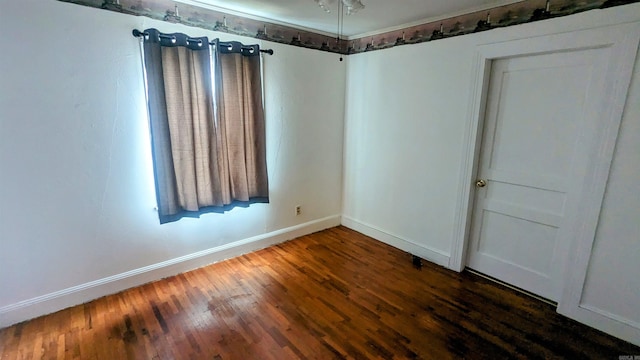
(298, 210)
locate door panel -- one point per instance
(538, 238)
(537, 115)
(529, 157)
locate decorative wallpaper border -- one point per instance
(502, 16)
(176, 12)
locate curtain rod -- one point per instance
(138, 33)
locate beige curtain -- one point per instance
(240, 122)
(204, 160)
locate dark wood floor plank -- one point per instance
(336, 294)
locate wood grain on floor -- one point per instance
(335, 294)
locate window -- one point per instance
(208, 139)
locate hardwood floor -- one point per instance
(334, 294)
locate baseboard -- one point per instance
(618, 326)
(58, 300)
(425, 252)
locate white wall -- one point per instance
(404, 135)
(77, 216)
(404, 129)
(612, 284)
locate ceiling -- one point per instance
(378, 15)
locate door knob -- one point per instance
(481, 183)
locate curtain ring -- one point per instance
(189, 40)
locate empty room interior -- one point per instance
(422, 179)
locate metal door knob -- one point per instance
(481, 183)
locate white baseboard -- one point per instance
(58, 300)
(616, 325)
(435, 256)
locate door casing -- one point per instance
(622, 41)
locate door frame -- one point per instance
(622, 42)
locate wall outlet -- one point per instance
(298, 210)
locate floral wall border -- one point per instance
(502, 16)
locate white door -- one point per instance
(530, 160)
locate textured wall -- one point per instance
(75, 181)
